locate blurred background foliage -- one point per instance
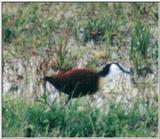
(39, 37)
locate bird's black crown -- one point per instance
(107, 69)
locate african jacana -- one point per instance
(81, 82)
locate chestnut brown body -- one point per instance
(80, 82)
(75, 82)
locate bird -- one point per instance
(81, 82)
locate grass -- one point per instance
(139, 44)
(35, 23)
(21, 118)
(51, 25)
(140, 39)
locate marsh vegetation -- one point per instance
(43, 38)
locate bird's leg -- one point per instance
(68, 100)
(92, 97)
(44, 87)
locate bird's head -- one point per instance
(113, 69)
(110, 74)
